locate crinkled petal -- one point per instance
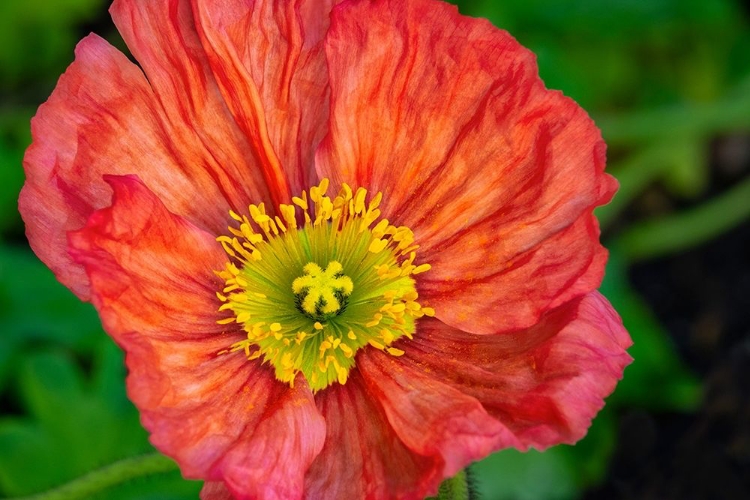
(103, 118)
(432, 418)
(447, 116)
(545, 383)
(270, 460)
(153, 284)
(269, 62)
(215, 490)
(363, 457)
(488, 288)
(162, 36)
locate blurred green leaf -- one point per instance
(11, 180)
(37, 37)
(686, 229)
(678, 121)
(682, 164)
(626, 54)
(533, 475)
(688, 174)
(73, 427)
(35, 307)
(77, 431)
(589, 458)
(168, 486)
(634, 174)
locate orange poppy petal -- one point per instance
(483, 284)
(447, 116)
(136, 249)
(429, 416)
(103, 118)
(546, 383)
(268, 59)
(270, 459)
(162, 37)
(215, 490)
(153, 284)
(363, 457)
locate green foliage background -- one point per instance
(661, 77)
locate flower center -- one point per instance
(319, 282)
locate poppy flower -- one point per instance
(347, 246)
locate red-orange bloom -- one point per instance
(309, 350)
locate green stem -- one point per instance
(458, 487)
(106, 477)
(685, 120)
(689, 228)
(633, 174)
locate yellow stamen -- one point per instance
(316, 281)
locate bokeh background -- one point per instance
(668, 81)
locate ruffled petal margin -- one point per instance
(162, 37)
(490, 289)
(545, 383)
(269, 63)
(220, 416)
(432, 418)
(446, 115)
(403, 424)
(103, 118)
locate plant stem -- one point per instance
(458, 487)
(687, 229)
(654, 125)
(106, 477)
(634, 174)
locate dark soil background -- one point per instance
(702, 297)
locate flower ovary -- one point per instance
(322, 294)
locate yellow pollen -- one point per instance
(311, 283)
